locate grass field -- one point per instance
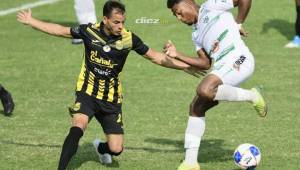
(41, 72)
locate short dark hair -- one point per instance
(110, 5)
(171, 3)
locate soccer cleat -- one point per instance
(7, 102)
(185, 166)
(103, 158)
(295, 43)
(260, 104)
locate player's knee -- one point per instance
(205, 93)
(80, 120)
(81, 125)
(116, 150)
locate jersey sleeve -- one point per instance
(221, 5)
(196, 41)
(197, 46)
(77, 31)
(138, 45)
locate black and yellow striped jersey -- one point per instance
(104, 58)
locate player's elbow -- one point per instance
(204, 65)
(154, 57)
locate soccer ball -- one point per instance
(247, 156)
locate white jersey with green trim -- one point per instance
(217, 24)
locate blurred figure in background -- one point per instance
(85, 13)
(7, 101)
(295, 43)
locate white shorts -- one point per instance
(234, 70)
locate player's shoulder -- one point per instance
(95, 26)
(81, 27)
(218, 1)
(222, 5)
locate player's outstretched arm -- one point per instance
(201, 62)
(26, 18)
(243, 9)
(165, 61)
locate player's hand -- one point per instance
(216, 46)
(195, 72)
(243, 32)
(24, 16)
(170, 49)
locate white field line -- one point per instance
(26, 6)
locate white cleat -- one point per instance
(292, 45)
(103, 158)
(295, 43)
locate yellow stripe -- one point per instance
(96, 36)
(126, 39)
(120, 98)
(96, 26)
(80, 80)
(100, 89)
(111, 90)
(90, 86)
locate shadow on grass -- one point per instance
(212, 150)
(7, 142)
(285, 28)
(86, 153)
(177, 144)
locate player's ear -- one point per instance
(105, 20)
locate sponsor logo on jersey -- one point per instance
(101, 61)
(239, 62)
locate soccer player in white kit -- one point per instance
(216, 35)
(85, 13)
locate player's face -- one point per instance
(186, 12)
(115, 23)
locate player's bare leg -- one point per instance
(209, 92)
(202, 102)
(79, 124)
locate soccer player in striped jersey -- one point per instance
(98, 89)
(219, 47)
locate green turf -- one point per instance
(41, 73)
(6, 4)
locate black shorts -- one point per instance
(108, 114)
